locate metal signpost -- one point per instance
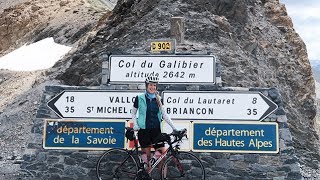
(93, 104)
(169, 68)
(214, 105)
(238, 137)
(81, 134)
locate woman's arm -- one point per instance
(167, 118)
(134, 118)
(134, 114)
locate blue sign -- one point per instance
(92, 135)
(236, 137)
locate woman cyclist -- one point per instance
(150, 112)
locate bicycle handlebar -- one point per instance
(179, 134)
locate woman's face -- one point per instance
(152, 88)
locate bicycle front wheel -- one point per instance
(184, 165)
(116, 164)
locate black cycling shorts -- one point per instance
(147, 137)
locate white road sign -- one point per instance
(197, 105)
(93, 104)
(169, 68)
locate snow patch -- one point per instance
(37, 56)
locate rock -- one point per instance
(35, 8)
(63, 3)
(245, 35)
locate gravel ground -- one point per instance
(22, 92)
(9, 3)
(310, 174)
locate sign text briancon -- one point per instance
(169, 68)
(217, 105)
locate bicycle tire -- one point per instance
(116, 164)
(192, 168)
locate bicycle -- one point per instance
(127, 164)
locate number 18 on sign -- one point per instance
(93, 104)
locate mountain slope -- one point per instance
(254, 40)
(24, 22)
(32, 20)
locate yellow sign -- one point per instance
(161, 46)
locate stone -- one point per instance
(55, 170)
(52, 159)
(285, 134)
(70, 161)
(29, 157)
(295, 175)
(63, 3)
(42, 156)
(282, 118)
(237, 158)
(223, 163)
(262, 168)
(279, 178)
(37, 166)
(251, 158)
(295, 167)
(55, 177)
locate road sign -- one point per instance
(238, 137)
(90, 135)
(162, 45)
(173, 69)
(228, 105)
(93, 104)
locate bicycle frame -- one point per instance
(171, 158)
(163, 155)
(130, 152)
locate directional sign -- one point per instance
(93, 104)
(171, 69)
(240, 137)
(248, 106)
(90, 135)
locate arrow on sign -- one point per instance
(93, 104)
(252, 106)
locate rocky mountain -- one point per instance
(315, 64)
(29, 21)
(24, 22)
(254, 41)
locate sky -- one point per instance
(40, 55)
(306, 21)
